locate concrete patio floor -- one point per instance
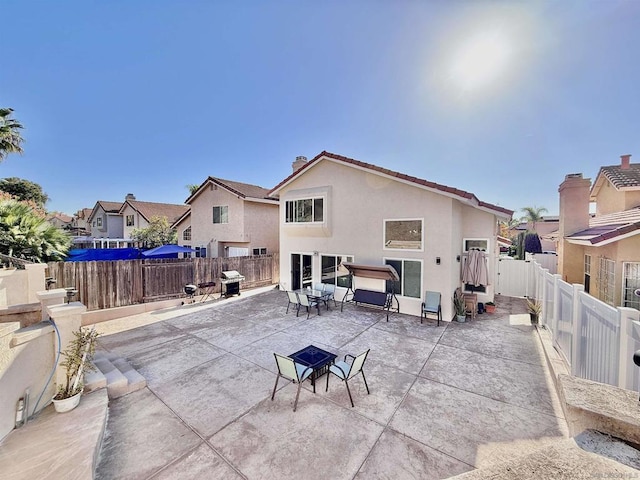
(444, 400)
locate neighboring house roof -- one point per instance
(619, 177)
(63, 217)
(465, 197)
(243, 190)
(148, 210)
(108, 207)
(605, 229)
(84, 213)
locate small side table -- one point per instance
(471, 303)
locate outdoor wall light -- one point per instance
(458, 258)
(437, 260)
(71, 292)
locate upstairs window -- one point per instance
(259, 251)
(221, 214)
(308, 210)
(186, 234)
(129, 219)
(99, 222)
(403, 234)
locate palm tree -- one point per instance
(533, 215)
(10, 139)
(24, 233)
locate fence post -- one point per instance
(576, 329)
(629, 321)
(556, 297)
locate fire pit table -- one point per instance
(316, 358)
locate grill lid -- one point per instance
(229, 274)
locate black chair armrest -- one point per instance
(348, 355)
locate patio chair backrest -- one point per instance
(293, 298)
(318, 286)
(358, 363)
(329, 288)
(304, 300)
(286, 367)
(431, 300)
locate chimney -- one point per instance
(300, 162)
(130, 196)
(625, 161)
(574, 217)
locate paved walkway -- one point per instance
(444, 400)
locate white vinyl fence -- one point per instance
(596, 340)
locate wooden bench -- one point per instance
(372, 298)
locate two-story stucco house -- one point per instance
(136, 214)
(602, 251)
(229, 219)
(105, 222)
(335, 209)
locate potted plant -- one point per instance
(534, 307)
(77, 360)
(459, 306)
(490, 307)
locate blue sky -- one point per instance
(148, 96)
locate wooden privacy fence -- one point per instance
(118, 283)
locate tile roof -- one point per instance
(243, 190)
(110, 207)
(604, 229)
(151, 209)
(400, 176)
(622, 178)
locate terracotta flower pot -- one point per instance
(490, 308)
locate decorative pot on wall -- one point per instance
(67, 404)
(461, 318)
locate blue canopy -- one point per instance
(166, 251)
(97, 254)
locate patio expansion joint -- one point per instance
(199, 435)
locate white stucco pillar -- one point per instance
(48, 298)
(35, 280)
(68, 318)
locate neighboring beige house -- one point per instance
(136, 214)
(546, 228)
(335, 209)
(80, 224)
(602, 251)
(229, 219)
(60, 220)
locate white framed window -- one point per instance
(410, 272)
(587, 273)
(403, 234)
(479, 243)
(129, 220)
(186, 254)
(99, 221)
(305, 210)
(186, 234)
(201, 252)
(259, 251)
(221, 214)
(606, 281)
(630, 283)
(332, 271)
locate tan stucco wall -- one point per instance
(610, 200)
(261, 222)
(251, 224)
(358, 203)
(138, 221)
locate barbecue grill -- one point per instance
(231, 280)
(190, 290)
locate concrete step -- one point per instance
(115, 373)
(602, 456)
